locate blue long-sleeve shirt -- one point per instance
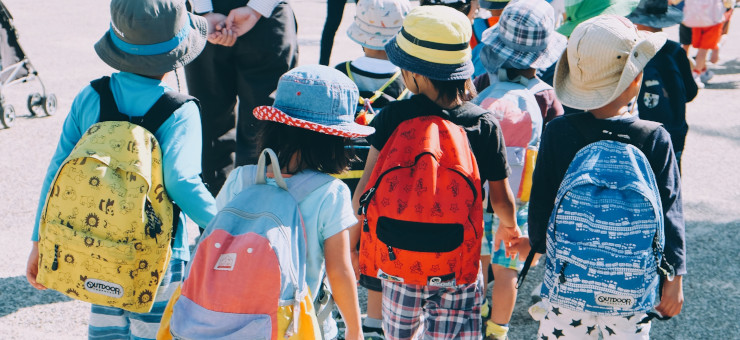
(559, 144)
(179, 137)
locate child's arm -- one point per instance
(74, 126)
(372, 158)
(181, 143)
(502, 201)
(342, 281)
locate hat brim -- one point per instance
(496, 52)
(158, 64)
(436, 71)
(620, 8)
(588, 97)
(492, 4)
(672, 17)
(367, 39)
(349, 130)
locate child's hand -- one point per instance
(217, 32)
(671, 299)
(32, 268)
(507, 235)
(521, 245)
(242, 19)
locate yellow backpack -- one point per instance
(106, 231)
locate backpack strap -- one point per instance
(379, 92)
(636, 134)
(162, 109)
(299, 185)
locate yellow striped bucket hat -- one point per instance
(433, 42)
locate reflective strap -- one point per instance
(153, 49)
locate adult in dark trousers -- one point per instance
(251, 44)
(334, 14)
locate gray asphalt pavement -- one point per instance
(58, 37)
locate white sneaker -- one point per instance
(706, 76)
(697, 79)
(538, 310)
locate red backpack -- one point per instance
(423, 218)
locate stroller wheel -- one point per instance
(8, 116)
(50, 104)
(34, 104)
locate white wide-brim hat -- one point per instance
(604, 55)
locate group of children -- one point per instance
(418, 62)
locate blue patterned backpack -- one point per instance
(605, 236)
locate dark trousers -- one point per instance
(334, 13)
(249, 71)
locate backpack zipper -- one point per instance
(391, 254)
(562, 272)
(55, 264)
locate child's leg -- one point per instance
(563, 324)
(684, 37)
(402, 308)
(503, 296)
(372, 326)
(453, 313)
(115, 323)
(624, 327)
(108, 323)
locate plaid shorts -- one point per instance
(490, 227)
(115, 323)
(425, 312)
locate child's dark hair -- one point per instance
(318, 151)
(461, 6)
(450, 90)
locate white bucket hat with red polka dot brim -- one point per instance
(317, 98)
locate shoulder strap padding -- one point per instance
(637, 133)
(162, 109)
(300, 185)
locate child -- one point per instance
(377, 79)
(433, 52)
(523, 57)
(512, 64)
(379, 82)
(309, 127)
(127, 47)
(597, 45)
(705, 18)
(667, 84)
(481, 23)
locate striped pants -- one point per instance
(115, 323)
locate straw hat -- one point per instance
(609, 53)
(433, 42)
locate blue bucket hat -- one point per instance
(317, 98)
(524, 37)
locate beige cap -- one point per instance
(603, 57)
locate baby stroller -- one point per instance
(16, 68)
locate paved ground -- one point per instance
(58, 38)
